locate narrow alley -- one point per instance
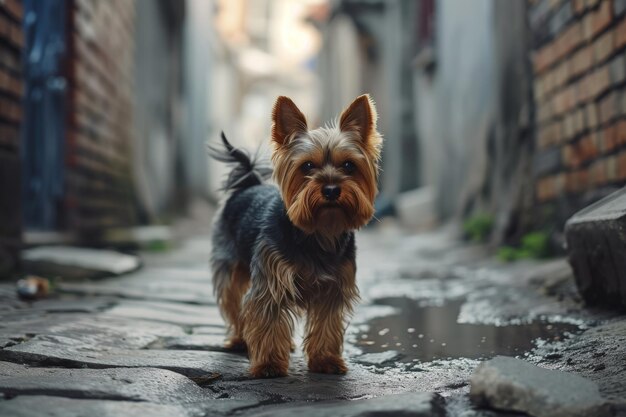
(150, 342)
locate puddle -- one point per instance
(428, 333)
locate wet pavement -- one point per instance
(425, 333)
(433, 308)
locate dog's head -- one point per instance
(327, 176)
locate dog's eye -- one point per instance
(348, 167)
(307, 167)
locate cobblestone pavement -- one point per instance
(150, 343)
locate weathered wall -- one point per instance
(11, 92)
(400, 154)
(100, 126)
(579, 65)
(455, 102)
(158, 73)
(473, 108)
(199, 37)
(368, 48)
(506, 190)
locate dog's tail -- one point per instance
(247, 171)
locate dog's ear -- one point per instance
(287, 121)
(360, 117)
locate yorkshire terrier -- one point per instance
(282, 250)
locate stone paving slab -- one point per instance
(125, 384)
(192, 253)
(164, 276)
(72, 305)
(70, 261)
(512, 384)
(416, 404)
(598, 354)
(49, 406)
(208, 330)
(360, 382)
(89, 331)
(19, 310)
(174, 313)
(44, 406)
(214, 342)
(167, 284)
(164, 319)
(61, 351)
(8, 298)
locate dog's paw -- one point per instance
(328, 365)
(236, 344)
(268, 370)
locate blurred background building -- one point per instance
(509, 108)
(513, 108)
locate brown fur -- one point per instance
(269, 318)
(263, 314)
(230, 305)
(355, 140)
(325, 324)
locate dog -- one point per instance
(283, 250)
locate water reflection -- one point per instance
(428, 333)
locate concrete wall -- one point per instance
(199, 36)
(455, 101)
(158, 74)
(400, 153)
(368, 49)
(473, 111)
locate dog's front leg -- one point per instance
(323, 341)
(268, 329)
(326, 322)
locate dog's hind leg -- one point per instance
(230, 304)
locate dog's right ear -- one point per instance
(360, 117)
(287, 121)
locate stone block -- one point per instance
(75, 262)
(511, 384)
(417, 208)
(596, 244)
(32, 406)
(124, 384)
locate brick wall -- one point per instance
(11, 86)
(100, 125)
(579, 65)
(11, 92)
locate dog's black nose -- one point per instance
(331, 192)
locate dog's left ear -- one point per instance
(287, 120)
(360, 117)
